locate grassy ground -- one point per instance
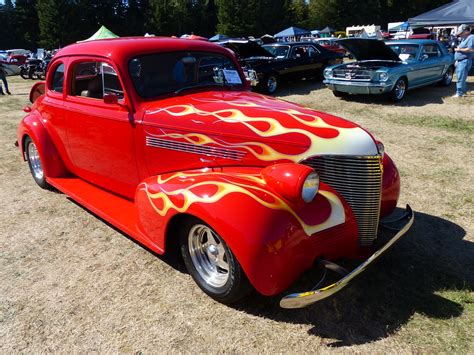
(69, 282)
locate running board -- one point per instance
(118, 211)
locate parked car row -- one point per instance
(390, 68)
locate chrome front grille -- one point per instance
(352, 74)
(359, 181)
(208, 150)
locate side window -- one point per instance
(430, 51)
(300, 52)
(94, 79)
(111, 81)
(312, 52)
(58, 79)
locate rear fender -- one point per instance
(271, 237)
(33, 127)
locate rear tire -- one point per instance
(35, 164)
(447, 78)
(211, 263)
(24, 73)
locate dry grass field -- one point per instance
(70, 282)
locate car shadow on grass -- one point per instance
(300, 87)
(432, 257)
(422, 96)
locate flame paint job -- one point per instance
(87, 145)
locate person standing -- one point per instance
(4, 79)
(464, 53)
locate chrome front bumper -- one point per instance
(304, 299)
(359, 87)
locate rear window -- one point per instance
(164, 73)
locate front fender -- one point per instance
(32, 126)
(273, 239)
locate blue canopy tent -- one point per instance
(293, 32)
(454, 13)
(218, 37)
(401, 27)
(327, 29)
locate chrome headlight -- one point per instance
(310, 187)
(383, 76)
(381, 148)
(328, 73)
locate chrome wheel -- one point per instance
(272, 84)
(399, 90)
(35, 162)
(208, 255)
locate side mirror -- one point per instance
(424, 57)
(110, 99)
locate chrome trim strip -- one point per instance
(224, 153)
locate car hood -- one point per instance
(246, 49)
(368, 49)
(251, 128)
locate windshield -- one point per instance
(278, 51)
(165, 73)
(406, 52)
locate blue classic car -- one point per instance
(390, 68)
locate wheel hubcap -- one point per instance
(33, 157)
(208, 255)
(400, 89)
(272, 84)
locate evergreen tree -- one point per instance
(26, 24)
(237, 17)
(7, 28)
(299, 13)
(50, 24)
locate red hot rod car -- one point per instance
(163, 139)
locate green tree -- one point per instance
(237, 17)
(7, 28)
(300, 13)
(50, 16)
(26, 24)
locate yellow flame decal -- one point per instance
(226, 187)
(342, 144)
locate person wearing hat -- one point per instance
(464, 53)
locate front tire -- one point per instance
(339, 94)
(211, 263)
(399, 90)
(35, 164)
(271, 83)
(447, 78)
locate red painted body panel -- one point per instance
(209, 154)
(286, 240)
